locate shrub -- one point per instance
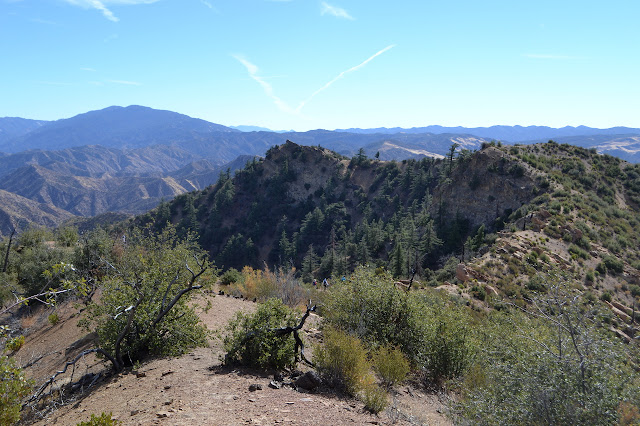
(279, 283)
(104, 419)
(391, 365)
(145, 306)
(231, 276)
(449, 349)
(375, 398)
(342, 361)
(13, 387)
(250, 339)
(613, 264)
(15, 344)
(433, 333)
(558, 368)
(53, 318)
(479, 292)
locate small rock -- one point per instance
(169, 402)
(167, 387)
(134, 412)
(252, 400)
(162, 414)
(274, 385)
(141, 374)
(166, 373)
(255, 387)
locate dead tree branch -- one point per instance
(71, 363)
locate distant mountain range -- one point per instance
(126, 159)
(512, 134)
(258, 129)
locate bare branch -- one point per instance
(73, 362)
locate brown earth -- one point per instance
(194, 389)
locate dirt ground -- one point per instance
(195, 389)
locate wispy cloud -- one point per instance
(53, 83)
(125, 82)
(268, 89)
(342, 74)
(338, 12)
(209, 5)
(544, 56)
(43, 21)
(101, 5)
(88, 69)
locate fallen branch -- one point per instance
(73, 362)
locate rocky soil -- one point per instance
(194, 389)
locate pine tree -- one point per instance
(309, 264)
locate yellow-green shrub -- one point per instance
(391, 365)
(15, 343)
(13, 387)
(342, 361)
(104, 419)
(374, 397)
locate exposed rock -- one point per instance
(461, 273)
(623, 316)
(308, 381)
(255, 387)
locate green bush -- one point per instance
(391, 365)
(342, 361)
(15, 344)
(53, 318)
(375, 398)
(613, 264)
(250, 339)
(145, 308)
(104, 419)
(13, 387)
(432, 332)
(558, 367)
(231, 276)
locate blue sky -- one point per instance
(306, 64)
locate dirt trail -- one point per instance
(195, 389)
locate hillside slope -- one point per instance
(507, 213)
(17, 212)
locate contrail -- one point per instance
(341, 75)
(268, 90)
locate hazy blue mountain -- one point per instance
(243, 128)
(251, 128)
(349, 143)
(505, 133)
(13, 127)
(118, 127)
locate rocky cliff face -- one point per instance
(487, 186)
